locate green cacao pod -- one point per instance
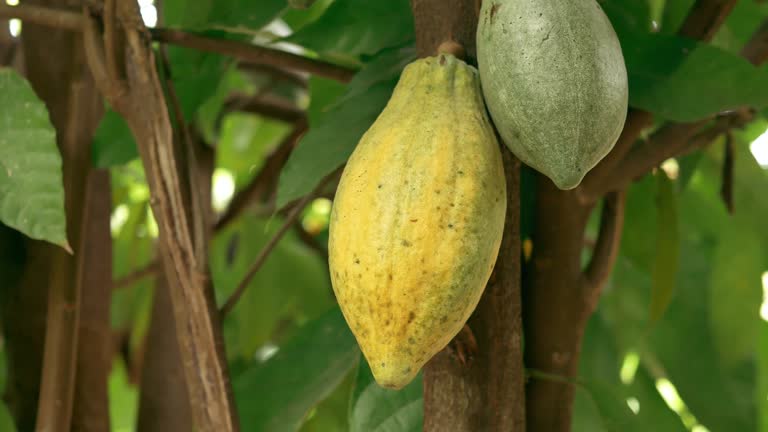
(555, 82)
(417, 219)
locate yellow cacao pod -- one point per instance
(417, 219)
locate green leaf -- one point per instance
(686, 349)
(667, 247)
(6, 420)
(355, 27)
(123, 398)
(688, 165)
(291, 287)
(762, 378)
(612, 406)
(736, 292)
(324, 93)
(339, 125)
(682, 80)
(113, 142)
(31, 189)
(376, 409)
(245, 14)
(327, 146)
(278, 394)
(298, 18)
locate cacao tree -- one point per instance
(168, 172)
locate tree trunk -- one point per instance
(476, 383)
(61, 80)
(555, 314)
(95, 349)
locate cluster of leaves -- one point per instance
(682, 306)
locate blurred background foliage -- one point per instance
(680, 338)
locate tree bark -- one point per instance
(95, 350)
(75, 107)
(554, 308)
(476, 383)
(164, 402)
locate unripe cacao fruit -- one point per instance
(417, 219)
(555, 82)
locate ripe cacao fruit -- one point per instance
(417, 219)
(555, 82)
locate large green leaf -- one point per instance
(667, 247)
(113, 143)
(355, 27)
(31, 189)
(278, 394)
(376, 409)
(290, 288)
(6, 420)
(683, 80)
(761, 393)
(327, 146)
(332, 139)
(736, 292)
(685, 346)
(245, 14)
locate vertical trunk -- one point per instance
(94, 360)
(554, 306)
(164, 403)
(75, 107)
(476, 383)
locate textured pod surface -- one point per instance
(417, 219)
(555, 82)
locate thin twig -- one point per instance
(756, 50)
(726, 186)
(705, 17)
(702, 22)
(263, 183)
(267, 105)
(63, 19)
(270, 246)
(254, 54)
(110, 40)
(606, 248)
(148, 270)
(44, 16)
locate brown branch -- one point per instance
(269, 106)
(702, 22)
(726, 187)
(170, 175)
(43, 16)
(261, 187)
(94, 359)
(705, 17)
(756, 49)
(242, 51)
(606, 249)
(290, 219)
(276, 73)
(254, 54)
(672, 140)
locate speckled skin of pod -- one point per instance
(555, 82)
(417, 219)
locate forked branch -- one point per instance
(606, 247)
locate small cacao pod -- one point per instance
(555, 83)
